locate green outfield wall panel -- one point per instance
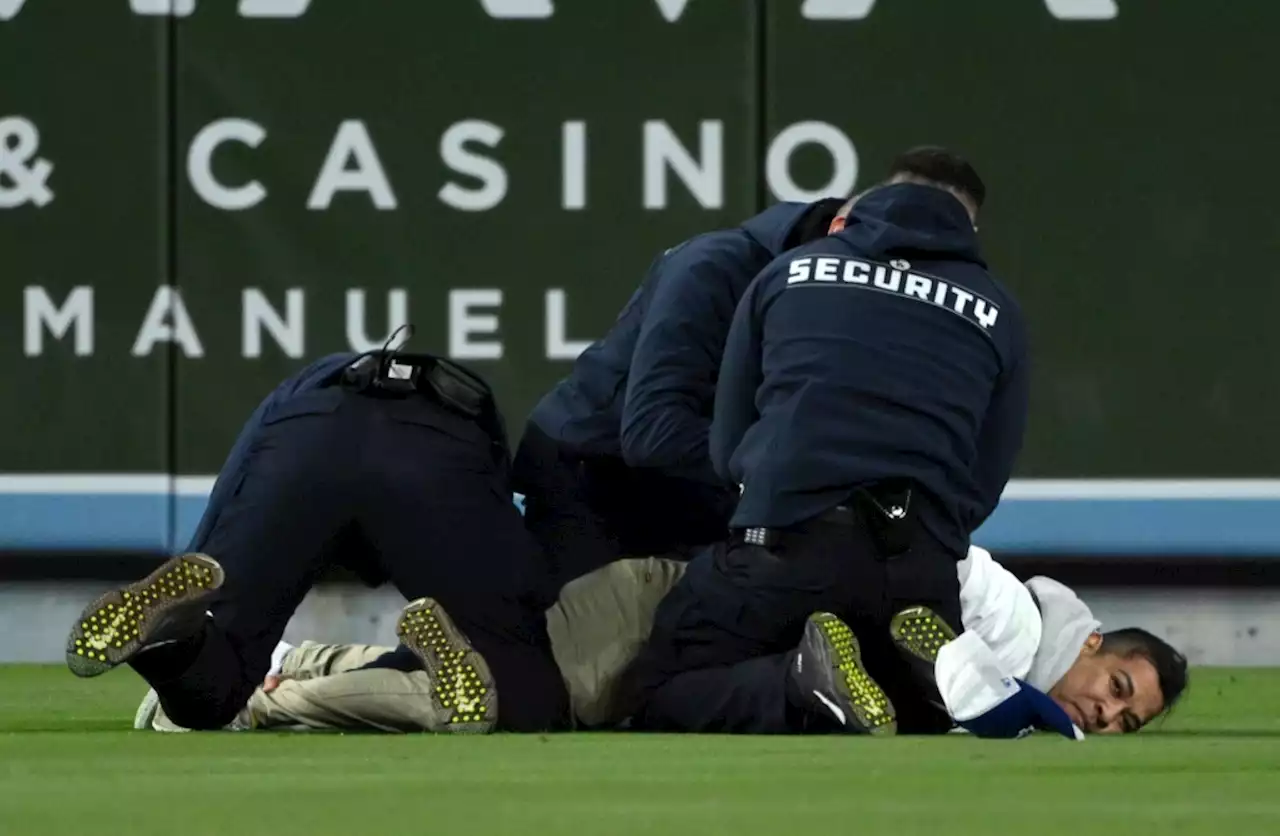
(1128, 149)
(84, 238)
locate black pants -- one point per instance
(587, 512)
(722, 641)
(393, 488)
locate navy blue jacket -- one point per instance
(644, 392)
(310, 378)
(883, 351)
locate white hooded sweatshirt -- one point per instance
(1032, 631)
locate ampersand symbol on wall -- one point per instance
(24, 177)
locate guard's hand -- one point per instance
(271, 683)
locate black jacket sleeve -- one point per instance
(671, 384)
(1003, 429)
(741, 374)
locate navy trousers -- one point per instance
(399, 489)
(723, 639)
(588, 511)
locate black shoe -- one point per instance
(919, 633)
(464, 687)
(828, 675)
(167, 605)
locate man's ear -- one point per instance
(842, 217)
(1092, 644)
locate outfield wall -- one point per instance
(158, 513)
(194, 204)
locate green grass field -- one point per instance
(69, 764)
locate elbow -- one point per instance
(666, 435)
(652, 443)
(647, 427)
(634, 457)
(638, 451)
(634, 435)
(720, 456)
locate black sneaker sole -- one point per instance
(464, 688)
(123, 621)
(873, 711)
(920, 632)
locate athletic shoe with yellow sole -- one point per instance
(464, 688)
(919, 633)
(828, 675)
(167, 605)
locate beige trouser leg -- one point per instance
(376, 700)
(598, 626)
(322, 689)
(312, 659)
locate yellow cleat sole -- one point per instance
(118, 624)
(463, 691)
(873, 707)
(920, 632)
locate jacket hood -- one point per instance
(907, 218)
(773, 227)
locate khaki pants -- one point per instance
(596, 627)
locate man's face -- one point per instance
(1106, 693)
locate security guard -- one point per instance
(397, 467)
(614, 461)
(871, 404)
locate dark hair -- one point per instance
(1170, 665)
(946, 168)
